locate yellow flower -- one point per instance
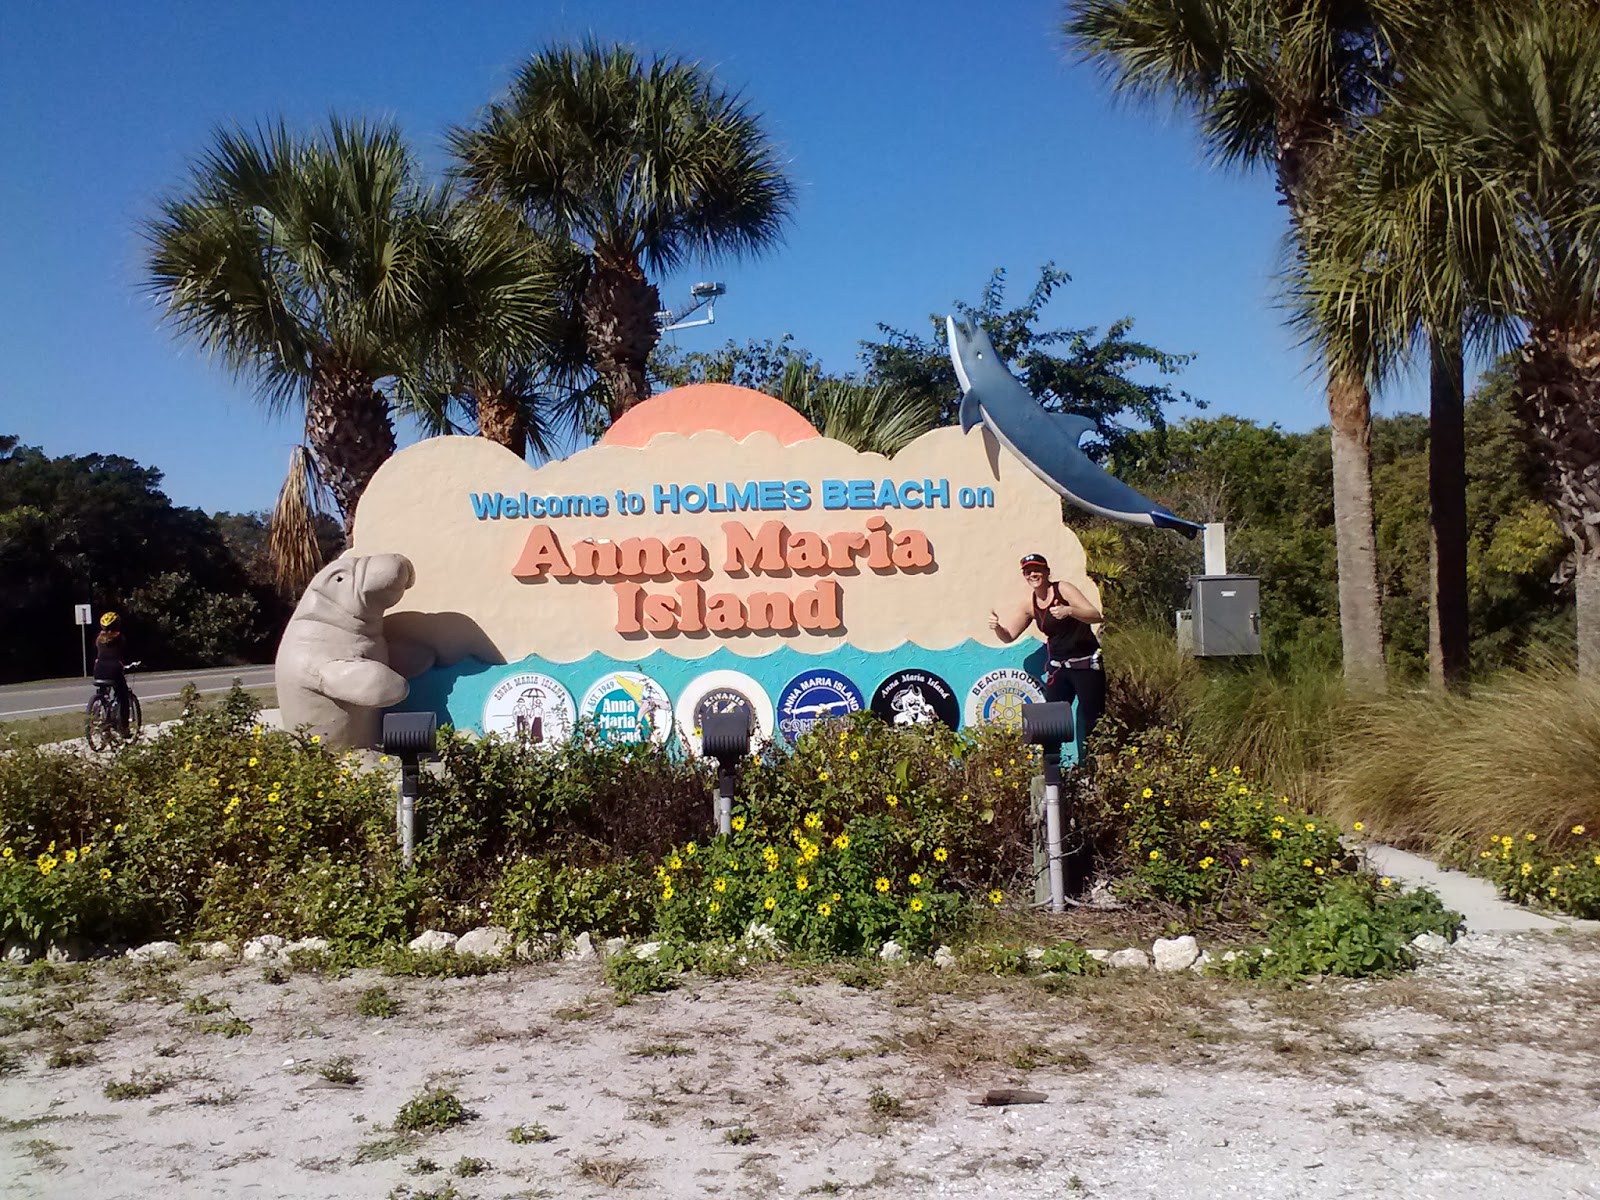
(1319, 871)
(1505, 841)
(1358, 827)
(71, 856)
(675, 863)
(998, 772)
(1527, 868)
(825, 909)
(916, 904)
(1236, 770)
(215, 782)
(1205, 863)
(813, 821)
(836, 897)
(738, 824)
(1212, 772)
(719, 884)
(916, 880)
(1138, 766)
(1206, 825)
(769, 903)
(666, 892)
(882, 884)
(279, 829)
(1310, 828)
(1244, 862)
(1277, 835)
(801, 883)
(842, 842)
(1578, 829)
(822, 777)
(6, 853)
(940, 854)
(1280, 819)
(116, 829)
(855, 756)
(1385, 881)
(688, 851)
(1147, 793)
(1305, 862)
(1532, 837)
(715, 906)
(105, 873)
(1597, 860)
(1154, 854)
(996, 896)
(316, 739)
(254, 761)
(273, 797)
(891, 801)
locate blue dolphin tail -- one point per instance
(1162, 519)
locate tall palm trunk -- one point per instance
(619, 316)
(1447, 499)
(1360, 600)
(500, 419)
(349, 431)
(1558, 389)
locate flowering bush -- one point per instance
(862, 834)
(1563, 873)
(1187, 832)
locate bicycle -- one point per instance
(102, 728)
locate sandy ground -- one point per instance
(1477, 1076)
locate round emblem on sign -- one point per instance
(723, 692)
(530, 708)
(916, 698)
(1000, 695)
(629, 707)
(815, 696)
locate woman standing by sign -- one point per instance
(1064, 615)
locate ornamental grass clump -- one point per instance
(863, 833)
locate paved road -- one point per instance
(64, 695)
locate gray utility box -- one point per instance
(1225, 615)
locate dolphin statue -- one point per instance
(1045, 442)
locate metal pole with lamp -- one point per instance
(1049, 726)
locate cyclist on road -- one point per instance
(111, 660)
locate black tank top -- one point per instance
(1067, 637)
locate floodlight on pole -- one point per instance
(701, 295)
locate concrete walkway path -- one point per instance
(1474, 898)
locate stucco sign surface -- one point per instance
(712, 530)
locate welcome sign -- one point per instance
(713, 553)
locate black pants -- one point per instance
(1087, 686)
(118, 679)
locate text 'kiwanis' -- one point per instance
(771, 549)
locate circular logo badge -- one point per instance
(815, 696)
(916, 698)
(723, 692)
(530, 708)
(629, 707)
(1000, 695)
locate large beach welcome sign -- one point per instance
(713, 553)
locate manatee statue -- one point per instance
(333, 668)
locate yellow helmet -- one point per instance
(107, 620)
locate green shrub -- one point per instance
(1562, 873)
(1353, 929)
(435, 1108)
(1181, 830)
(630, 975)
(551, 895)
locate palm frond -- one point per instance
(292, 548)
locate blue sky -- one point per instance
(928, 145)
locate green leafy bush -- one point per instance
(550, 895)
(1355, 928)
(1562, 873)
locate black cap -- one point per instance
(1034, 560)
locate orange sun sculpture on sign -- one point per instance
(699, 407)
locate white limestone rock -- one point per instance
(487, 941)
(433, 941)
(615, 946)
(1430, 943)
(763, 937)
(312, 944)
(267, 946)
(1131, 959)
(1175, 954)
(944, 958)
(213, 950)
(647, 950)
(582, 949)
(1099, 955)
(20, 953)
(156, 952)
(1200, 965)
(892, 952)
(69, 950)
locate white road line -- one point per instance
(60, 708)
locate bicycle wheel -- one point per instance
(99, 723)
(135, 717)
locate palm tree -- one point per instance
(1489, 149)
(642, 165)
(878, 418)
(301, 262)
(1276, 82)
(498, 344)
